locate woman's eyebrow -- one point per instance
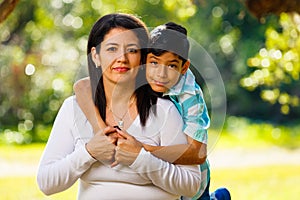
(111, 43)
(133, 44)
(116, 44)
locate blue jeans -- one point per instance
(205, 195)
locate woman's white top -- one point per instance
(65, 159)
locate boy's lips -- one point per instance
(160, 83)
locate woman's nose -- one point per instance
(122, 56)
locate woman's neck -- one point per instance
(118, 95)
(120, 104)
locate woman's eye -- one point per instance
(132, 50)
(111, 49)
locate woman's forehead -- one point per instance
(120, 36)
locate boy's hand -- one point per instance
(102, 147)
(127, 150)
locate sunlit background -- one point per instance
(43, 52)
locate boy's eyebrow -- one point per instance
(175, 60)
(152, 56)
(157, 57)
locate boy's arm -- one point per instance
(195, 116)
(185, 154)
(83, 92)
(188, 154)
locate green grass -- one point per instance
(21, 153)
(25, 187)
(20, 188)
(259, 183)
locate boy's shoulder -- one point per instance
(186, 84)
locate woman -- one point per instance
(74, 152)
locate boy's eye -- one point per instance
(173, 66)
(154, 63)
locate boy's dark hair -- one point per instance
(170, 37)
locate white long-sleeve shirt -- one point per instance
(65, 159)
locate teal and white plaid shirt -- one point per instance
(188, 99)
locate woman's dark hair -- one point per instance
(145, 96)
(169, 37)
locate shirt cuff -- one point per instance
(146, 162)
(84, 159)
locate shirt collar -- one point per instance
(186, 84)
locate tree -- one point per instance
(261, 8)
(276, 67)
(6, 7)
(43, 51)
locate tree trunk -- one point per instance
(6, 7)
(261, 8)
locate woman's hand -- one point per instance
(127, 150)
(102, 145)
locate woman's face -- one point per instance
(120, 55)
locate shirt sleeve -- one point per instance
(62, 164)
(195, 115)
(177, 179)
(188, 99)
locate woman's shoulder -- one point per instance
(71, 107)
(70, 100)
(164, 102)
(165, 105)
(70, 103)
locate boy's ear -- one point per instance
(185, 66)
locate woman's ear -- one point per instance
(95, 57)
(185, 66)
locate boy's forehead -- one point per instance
(165, 54)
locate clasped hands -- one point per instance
(113, 146)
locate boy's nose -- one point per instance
(162, 71)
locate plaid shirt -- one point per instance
(188, 99)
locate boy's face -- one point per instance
(164, 71)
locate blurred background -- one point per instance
(255, 45)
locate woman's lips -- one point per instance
(121, 69)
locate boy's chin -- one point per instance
(160, 89)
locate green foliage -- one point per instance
(250, 133)
(43, 45)
(259, 183)
(276, 66)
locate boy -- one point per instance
(167, 73)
